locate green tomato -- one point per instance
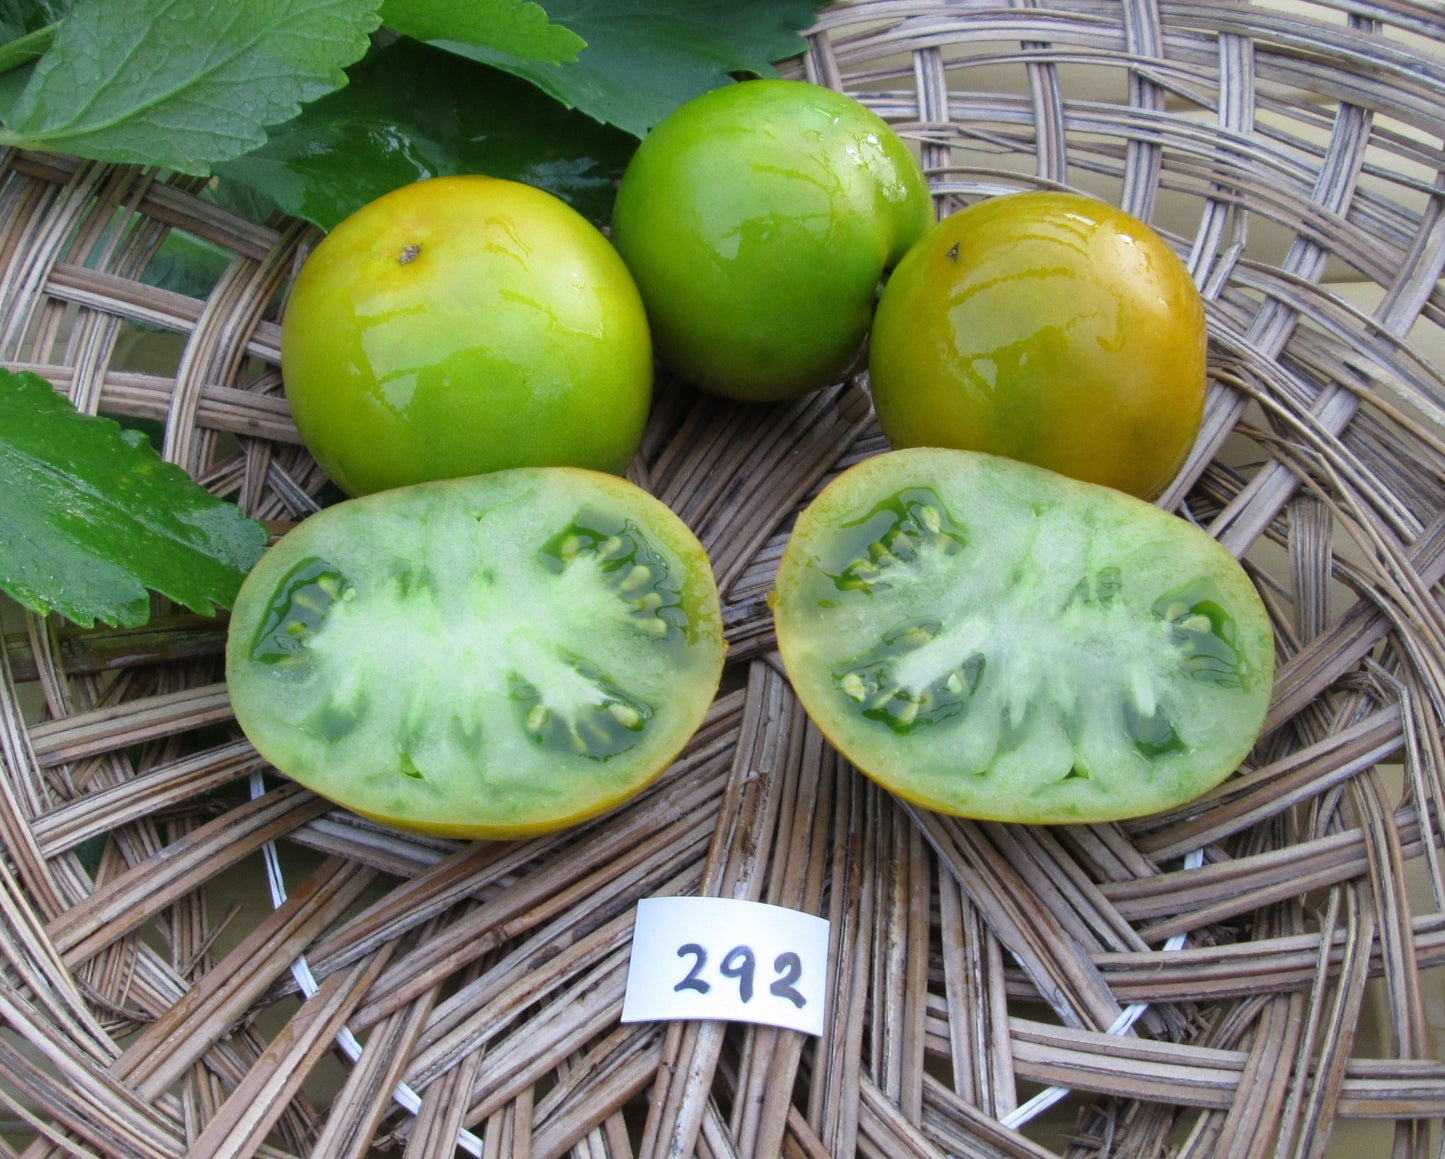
(991, 639)
(486, 657)
(465, 324)
(1048, 327)
(757, 220)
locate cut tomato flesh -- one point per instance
(991, 639)
(490, 656)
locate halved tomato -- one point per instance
(493, 656)
(991, 639)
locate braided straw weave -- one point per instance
(194, 962)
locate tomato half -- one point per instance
(465, 324)
(1048, 327)
(492, 656)
(991, 639)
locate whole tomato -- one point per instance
(757, 220)
(462, 325)
(1046, 327)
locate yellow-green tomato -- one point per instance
(1046, 327)
(461, 325)
(757, 220)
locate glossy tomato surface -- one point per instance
(991, 639)
(757, 220)
(493, 656)
(460, 325)
(1048, 327)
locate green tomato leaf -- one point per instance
(187, 265)
(183, 85)
(12, 84)
(93, 517)
(512, 26)
(412, 111)
(20, 17)
(27, 29)
(645, 57)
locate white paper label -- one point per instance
(713, 957)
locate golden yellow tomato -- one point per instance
(1050, 328)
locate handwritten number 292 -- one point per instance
(740, 964)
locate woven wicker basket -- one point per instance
(194, 960)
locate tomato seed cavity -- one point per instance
(302, 600)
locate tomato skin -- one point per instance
(460, 325)
(486, 657)
(757, 220)
(991, 639)
(1047, 327)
